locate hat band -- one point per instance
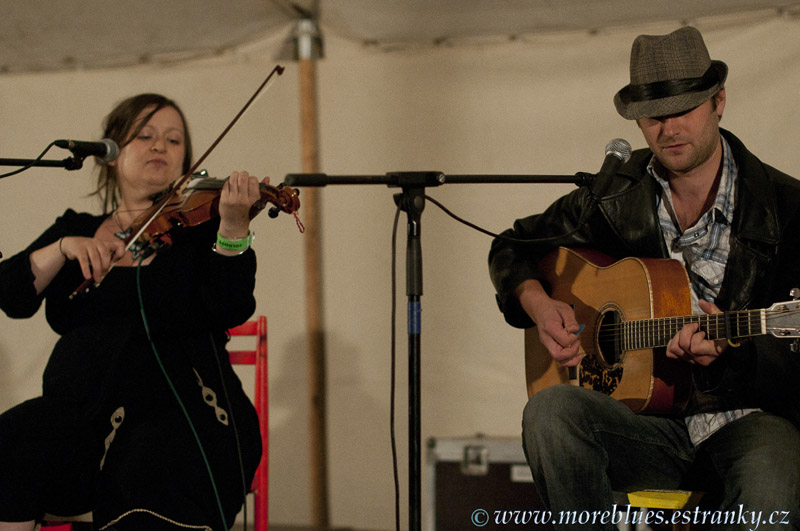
(671, 87)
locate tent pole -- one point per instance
(313, 291)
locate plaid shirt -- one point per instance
(703, 249)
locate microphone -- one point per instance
(106, 149)
(618, 152)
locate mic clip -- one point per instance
(585, 178)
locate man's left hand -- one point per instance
(690, 344)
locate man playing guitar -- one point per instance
(698, 196)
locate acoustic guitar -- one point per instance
(630, 310)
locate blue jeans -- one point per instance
(582, 446)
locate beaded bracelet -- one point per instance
(240, 245)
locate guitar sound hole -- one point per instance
(609, 338)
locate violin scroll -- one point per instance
(283, 198)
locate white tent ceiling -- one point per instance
(42, 35)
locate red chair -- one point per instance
(258, 357)
(260, 486)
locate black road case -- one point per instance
(480, 483)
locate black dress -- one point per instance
(111, 433)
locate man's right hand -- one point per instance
(555, 321)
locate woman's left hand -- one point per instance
(238, 195)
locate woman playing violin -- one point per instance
(108, 434)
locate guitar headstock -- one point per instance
(783, 319)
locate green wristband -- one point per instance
(240, 245)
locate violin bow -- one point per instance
(178, 185)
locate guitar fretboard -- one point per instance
(652, 333)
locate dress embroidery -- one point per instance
(116, 422)
(210, 398)
(152, 513)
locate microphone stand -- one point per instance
(70, 163)
(412, 201)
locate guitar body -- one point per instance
(603, 294)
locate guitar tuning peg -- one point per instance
(794, 346)
(794, 293)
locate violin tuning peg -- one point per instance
(273, 212)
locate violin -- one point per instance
(194, 202)
(197, 203)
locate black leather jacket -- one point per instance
(763, 265)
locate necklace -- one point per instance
(123, 233)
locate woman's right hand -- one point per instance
(94, 255)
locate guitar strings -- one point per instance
(637, 331)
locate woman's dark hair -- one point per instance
(121, 126)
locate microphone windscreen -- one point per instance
(620, 148)
(112, 152)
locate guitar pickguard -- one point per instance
(602, 367)
(603, 379)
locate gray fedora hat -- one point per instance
(670, 74)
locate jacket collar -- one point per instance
(756, 212)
